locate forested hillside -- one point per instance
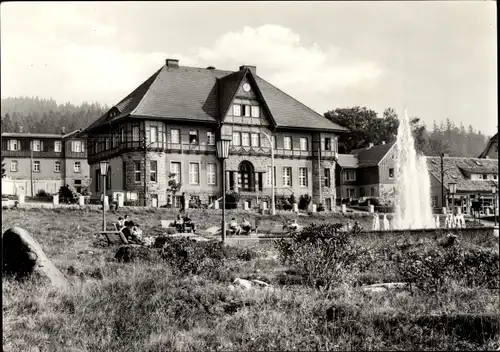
(37, 115)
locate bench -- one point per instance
(114, 237)
(167, 223)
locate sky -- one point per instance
(437, 59)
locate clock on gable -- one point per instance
(246, 87)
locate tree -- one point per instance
(173, 186)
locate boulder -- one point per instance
(23, 258)
(246, 284)
(135, 252)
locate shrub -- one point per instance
(68, 194)
(41, 193)
(292, 199)
(283, 203)
(232, 200)
(320, 207)
(322, 255)
(304, 201)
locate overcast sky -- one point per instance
(438, 59)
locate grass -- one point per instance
(145, 306)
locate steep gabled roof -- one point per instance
(347, 161)
(39, 135)
(488, 145)
(454, 167)
(204, 95)
(372, 156)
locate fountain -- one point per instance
(437, 222)
(376, 223)
(412, 199)
(387, 225)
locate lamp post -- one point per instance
(453, 189)
(494, 191)
(273, 206)
(223, 153)
(146, 146)
(104, 170)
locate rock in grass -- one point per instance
(23, 258)
(135, 252)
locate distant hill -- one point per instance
(38, 115)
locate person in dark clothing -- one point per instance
(189, 223)
(130, 233)
(183, 200)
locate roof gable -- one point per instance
(490, 143)
(374, 155)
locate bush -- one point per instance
(320, 207)
(42, 194)
(304, 201)
(323, 255)
(232, 200)
(384, 209)
(292, 199)
(283, 203)
(68, 194)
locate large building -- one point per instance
(491, 149)
(473, 177)
(170, 123)
(366, 172)
(43, 162)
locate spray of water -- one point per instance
(413, 202)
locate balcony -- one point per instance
(27, 154)
(266, 151)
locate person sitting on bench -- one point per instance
(130, 234)
(234, 227)
(246, 227)
(189, 223)
(293, 226)
(120, 223)
(179, 224)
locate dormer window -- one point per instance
(193, 137)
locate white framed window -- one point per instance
(14, 145)
(255, 111)
(287, 176)
(287, 142)
(135, 134)
(36, 166)
(36, 145)
(108, 143)
(247, 110)
(122, 135)
(193, 137)
(153, 170)
(245, 139)
(391, 173)
(210, 138)
(350, 175)
(57, 166)
(175, 136)
(153, 134)
(236, 138)
(13, 166)
(175, 168)
(57, 146)
(211, 173)
(114, 143)
(303, 143)
(303, 176)
(328, 145)
(76, 146)
(269, 176)
(137, 171)
(77, 166)
(255, 140)
(236, 109)
(194, 173)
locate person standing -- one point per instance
(183, 201)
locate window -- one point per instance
(434, 200)
(210, 138)
(495, 176)
(327, 177)
(193, 137)
(194, 173)
(36, 145)
(287, 176)
(108, 179)
(153, 134)
(175, 136)
(211, 174)
(245, 139)
(351, 193)
(350, 175)
(269, 176)
(485, 177)
(135, 134)
(122, 135)
(57, 146)
(255, 140)
(97, 179)
(152, 171)
(175, 168)
(36, 166)
(373, 192)
(114, 143)
(77, 166)
(287, 143)
(391, 173)
(137, 171)
(13, 166)
(328, 144)
(14, 145)
(246, 110)
(275, 143)
(255, 111)
(236, 138)
(303, 144)
(303, 176)
(236, 110)
(108, 143)
(77, 146)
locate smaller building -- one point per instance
(491, 150)
(41, 161)
(474, 178)
(367, 172)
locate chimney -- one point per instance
(172, 63)
(252, 69)
(63, 130)
(20, 129)
(210, 68)
(383, 142)
(370, 145)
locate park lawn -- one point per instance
(145, 306)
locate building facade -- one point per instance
(168, 127)
(367, 172)
(491, 149)
(37, 162)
